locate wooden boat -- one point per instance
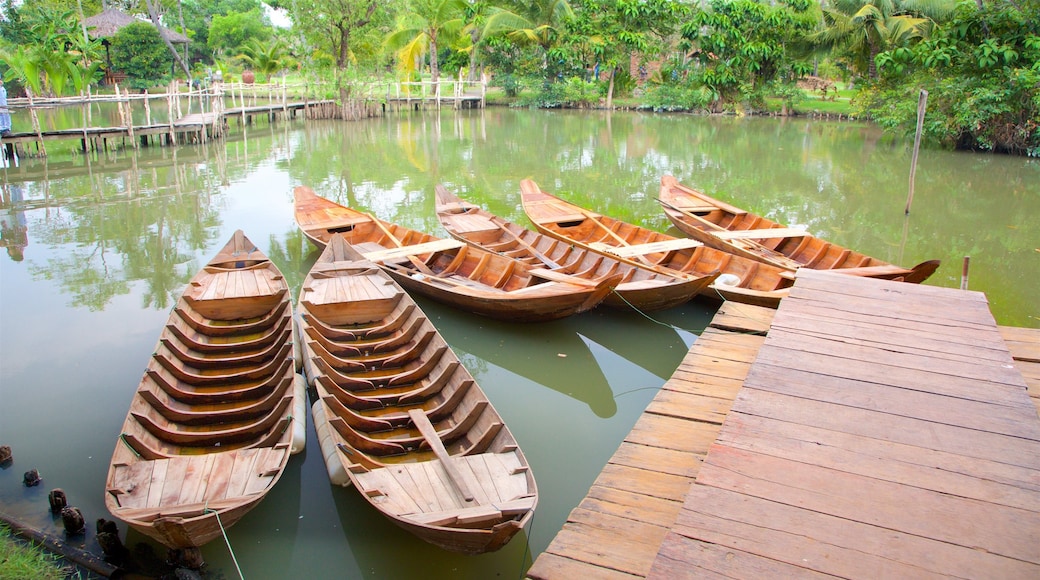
(448, 270)
(211, 425)
(741, 279)
(400, 418)
(641, 287)
(732, 229)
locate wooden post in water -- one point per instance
(169, 112)
(130, 118)
(35, 122)
(922, 104)
(964, 273)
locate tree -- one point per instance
(332, 25)
(230, 32)
(741, 46)
(52, 53)
(612, 31)
(266, 58)
(419, 30)
(161, 31)
(982, 73)
(861, 29)
(141, 54)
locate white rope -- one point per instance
(227, 541)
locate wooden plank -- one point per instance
(825, 543)
(981, 479)
(690, 407)
(414, 250)
(631, 250)
(762, 234)
(683, 558)
(1004, 381)
(651, 483)
(671, 433)
(608, 541)
(429, 433)
(938, 340)
(959, 407)
(1002, 530)
(659, 459)
(632, 505)
(550, 566)
(1024, 343)
(866, 423)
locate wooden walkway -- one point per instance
(880, 430)
(617, 529)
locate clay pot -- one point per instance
(248, 77)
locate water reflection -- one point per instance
(14, 232)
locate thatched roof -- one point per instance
(109, 22)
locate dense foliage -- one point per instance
(141, 54)
(982, 74)
(976, 58)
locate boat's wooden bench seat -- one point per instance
(698, 208)
(760, 234)
(335, 223)
(550, 211)
(463, 516)
(555, 276)
(196, 479)
(413, 250)
(494, 479)
(643, 249)
(472, 223)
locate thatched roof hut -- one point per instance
(108, 23)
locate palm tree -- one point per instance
(266, 58)
(864, 28)
(533, 21)
(419, 30)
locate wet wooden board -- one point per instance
(615, 533)
(857, 450)
(1024, 344)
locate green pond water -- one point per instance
(98, 248)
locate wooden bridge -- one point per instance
(865, 429)
(247, 103)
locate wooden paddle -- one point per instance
(419, 264)
(546, 259)
(429, 432)
(699, 219)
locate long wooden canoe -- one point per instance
(211, 425)
(642, 287)
(450, 271)
(732, 229)
(741, 279)
(400, 418)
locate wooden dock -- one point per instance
(618, 528)
(880, 429)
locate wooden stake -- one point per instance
(922, 104)
(964, 273)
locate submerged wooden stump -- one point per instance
(32, 478)
(5, 454)
(57, 499)
(73, 520)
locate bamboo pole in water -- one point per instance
(922, 104)
(964, 273)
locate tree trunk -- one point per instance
(162, 33)
(610, 90)
(434, 69)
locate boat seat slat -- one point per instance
(761, 234)
(643, 249)
(414, 249)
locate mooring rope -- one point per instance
(226, 540)
(645, 315)
(527, 549)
